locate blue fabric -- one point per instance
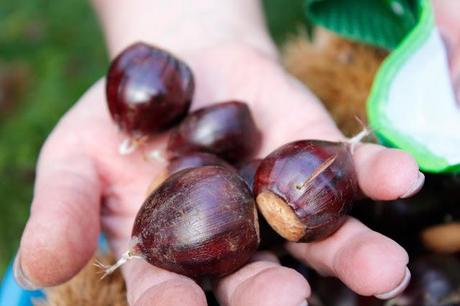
(13, 295)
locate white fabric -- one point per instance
(422, 103)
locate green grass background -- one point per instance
(59, 50)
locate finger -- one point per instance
(386, 174)
(263, 282)
(383, 173)
(148, 285)
(366, 261)
(62, 230)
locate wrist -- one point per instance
(183, 26)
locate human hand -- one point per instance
(84, 184)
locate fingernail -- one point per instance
(398, 290)
(21, 279)
(418, 184)
(304, 303)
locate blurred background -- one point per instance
(50, 53)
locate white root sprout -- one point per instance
(109, 269)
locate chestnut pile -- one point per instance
(200, 217)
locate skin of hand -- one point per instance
(84, 186)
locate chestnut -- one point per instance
(148, 89)
(200, 222)
(225, 129)
(305, 188)
(190, 160)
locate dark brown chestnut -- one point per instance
(225, 129)
(201, 222)
(190, 160)
(304, 189)
(148, 89)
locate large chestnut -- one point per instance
(148, 89)
(225, 129)
(200, 222)
(305, 188)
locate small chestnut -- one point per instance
(305, 188)
(148, 89)
(225, 129)
(200, 222)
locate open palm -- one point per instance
(83, 184)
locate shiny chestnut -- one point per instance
(304, 189)
(148, 89)
(225, 129)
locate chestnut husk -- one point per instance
(226, 129)
(304, 189)
(200, 222)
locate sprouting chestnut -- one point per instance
(190, 160)
(225, 129)
(305, 188)
(201, 222)
(148, 89)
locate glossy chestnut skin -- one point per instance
(190, 160)
(226, 129)
(305, 188)
(148, 89)
(201, 222)
(435, 282)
